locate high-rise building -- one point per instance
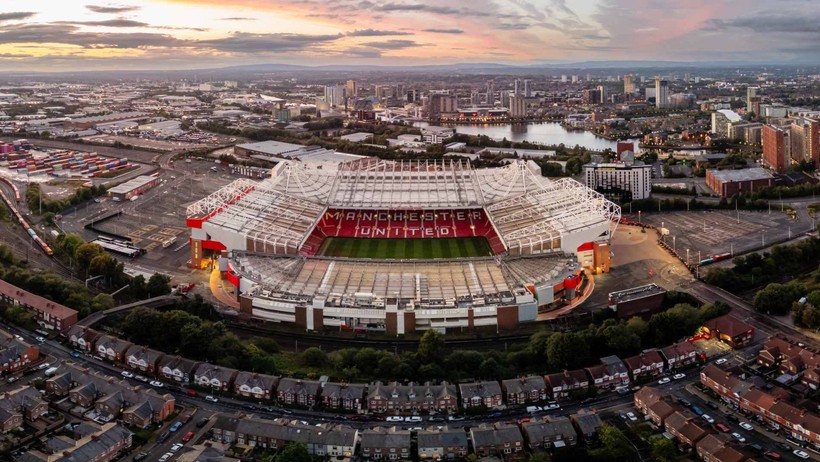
(575, 78)
(564, 79)
(527, 88)
(438, 104)
(475, 98)
(661, 93)
(804, 141)
(491, 93)
(412, 96)
(518, 87)
(601, 94)
(591, 96)
(335, 95)
(776, 147)
(629, 84)
(751, 92)
(518, 107)
(722, 119)
(352, 89)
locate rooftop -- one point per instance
(636, 293)
(745, 174)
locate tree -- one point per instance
(776, 299)
(102, 302)
(431, 347)
(566, 350)
(616, 446)
(314, 357)
(662, 450)
(713, 310)
(158, 284)
(85, 253)
(294, 452)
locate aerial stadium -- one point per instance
(402, 246)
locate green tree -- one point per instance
(662, 450)
(314, 357)
(776, 299)
(102, 302)
(84, 254)
(431, 347)
(158, 284)
(294, 452)
(616, 446)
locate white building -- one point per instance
(518, 107)
(629, 181)
(335, 95)
(722, 119)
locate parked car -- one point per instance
(413, 419)
(166, 456)
(534, 409)
(156, 383)
(739, 437)
(697, 410)
(664, 381)
(722, 428)
(44, 366)
(175, 426)
(394, 418)
(783, 446)
(684, 402)
(708, 418)
(678, 376)
(141, 378)
(40, 339)
(140, 456)
(455, 418)
(800, 454)
(713, 405)
(551, 406)
(523, 420)
(76, 354)
(772, 455)
(176, 447)
(211, 399)
(733, 418)
(127, 375)
(163, 436)
(721, 361)
(190, 392)
(746, 426)
(202, 422)
(631, 416)
(187, 437)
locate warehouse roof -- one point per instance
(744, 174)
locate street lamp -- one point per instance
(674, 247)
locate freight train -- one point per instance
(715, 259)
(20, 219)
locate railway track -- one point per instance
(302, 340)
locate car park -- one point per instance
(211, 399)
(708, 418)
(664, 381)
(800, 454)
(631, 416)
(678, 376)
(127, 375)
(739, 437)
(187, 437)
(746, 426)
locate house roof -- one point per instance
(587, 423)
(728, 325)
(567, 378)
(411, 392)
(538, 430)
(486, 435)
(343, 390)
(210, 371)
(480, 389)
(36, 302)
(289, 385)
(645, 358)
(252, 379)
(677, 350)
(390, 438)
(446, 438)
(524, 384)
(185, 365)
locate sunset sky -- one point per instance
(42, 35)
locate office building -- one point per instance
(661, 93)
(722, 119)
(629, 182)
(564, 78)
(491, 93)
(518, 107)
(629, 84)
(804, 141)
(776, 147)
(518, 87)
(729, 182)
(751, 92)
(601, 94)
(527, 88)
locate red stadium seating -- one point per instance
(402, 224)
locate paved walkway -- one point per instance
(218, 290)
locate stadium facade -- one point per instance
(270, 235)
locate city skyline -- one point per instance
(187, 34)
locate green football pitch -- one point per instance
(405, 248)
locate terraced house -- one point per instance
(16, 355)
(323, 440)
(143, 359)
(23, 404)
(103, 445)
(413, 397)
(297, 391)
(176, 368)
(216, 377)
(522, 390)
(487, 394)
(444, 444)
(348, 396)
(251, 384)
(83, 338)
(385, 444)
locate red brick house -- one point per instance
(729, 330)
(562, 384)
(347, 396)
(650, 402)
(297, 391)
(682, 427)
(679, 355)
(523, 390)
(647, 364)
(15, 355)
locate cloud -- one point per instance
(504, 26)
(444, 31)
(111, 9)
(243, 42)
(393, 44)
(107, 23)
(363, 52)
(16, 15)
(238, 18)
(15, 55)
(442, 10)
(374, 33)
(71, 35)
(769, 22)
